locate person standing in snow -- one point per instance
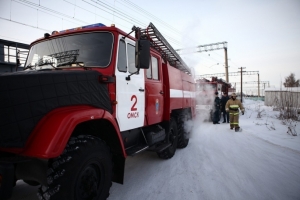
(232, 106)
(224, 100)
(216, 110)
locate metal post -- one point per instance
(242, 83)
(17, 54)
(258, 87)
(226, 65)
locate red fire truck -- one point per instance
(205, 94)
(88, 98)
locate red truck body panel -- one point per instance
(57, 128)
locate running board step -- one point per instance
(161, 147)
(136, 149)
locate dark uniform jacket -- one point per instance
(216, 110)
(224, 100)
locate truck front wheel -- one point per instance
(173, 139)
(83, 171)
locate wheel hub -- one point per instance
(89, 182)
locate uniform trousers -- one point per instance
(234, 119)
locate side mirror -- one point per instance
(142, 54)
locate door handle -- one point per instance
(141, 90)
(161, 92)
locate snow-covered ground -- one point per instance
(261, 162)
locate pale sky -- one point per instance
(262, 35)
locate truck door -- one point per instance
(154, 91)
(130, 94)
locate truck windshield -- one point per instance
(81, 50)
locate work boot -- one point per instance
(237, 129)
(231, 128)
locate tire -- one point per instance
(183, 135)
(82, 172)
(173, 138)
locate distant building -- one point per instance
(12, 55)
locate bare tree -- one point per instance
(290, 81)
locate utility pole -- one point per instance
(258, 86)
(264, 88)
(242, 83)
(226, 64)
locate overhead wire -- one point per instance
(126, 16)
(122, 15)
(53, 11)
(151, 16)
(23, 24)
(118, 12)
(143, 11)
(144, 24)
(17, 1)
(89, 11)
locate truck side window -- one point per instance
(122, 61)
(131, 58)
(154, 68)
(152, 72)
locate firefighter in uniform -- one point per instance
(232, 106)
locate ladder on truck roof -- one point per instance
(161, 44)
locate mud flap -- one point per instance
(6, 180)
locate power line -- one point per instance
(91, 11)
(23, 24)
(126, 16)
(118, 12)
(50, 10)
(43, 11)
(144, 11)
(104, 7)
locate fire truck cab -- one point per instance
(88, 98)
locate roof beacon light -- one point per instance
(93, 25)
(83, 27)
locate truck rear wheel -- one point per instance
(183, 135)
(183, 140)
(173, 139)
(83, 171)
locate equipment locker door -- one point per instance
(154, 91)
(130, 94)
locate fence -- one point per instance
(289, 97)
